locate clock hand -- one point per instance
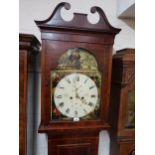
(81, 99)
(77, 88)
(77, 95)
(84, 101)
(76, 91)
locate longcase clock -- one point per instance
(122, 103)
(28, 48)
(76, 74)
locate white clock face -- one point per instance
(76, 95)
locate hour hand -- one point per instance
(77, 95)
(76, 88)
(83, 100)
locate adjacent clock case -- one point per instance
(28, 49)
(122, 103)
(77, 37)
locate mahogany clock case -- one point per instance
(59, 36)
(28, 48)
(122, 103)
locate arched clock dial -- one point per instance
(76, 95)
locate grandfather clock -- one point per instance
(76, 74)
(122, 103)
(28, 48)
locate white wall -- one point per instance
(123, 5)
(31, 10)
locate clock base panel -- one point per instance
(73, 146)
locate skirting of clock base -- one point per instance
(73, 146)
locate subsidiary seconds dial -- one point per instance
(76, 95)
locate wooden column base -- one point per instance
(70, 145)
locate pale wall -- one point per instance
(31, 10)
(124, 5)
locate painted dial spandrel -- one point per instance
(75, 61)
(76, 95)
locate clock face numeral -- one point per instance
(59, 96)
(67, 110)
(93, 96)
(76, 95)
(90, 104)
(61, 87)
(91, 87)
(68, 80)
(61, 104)
(86, 80)
(77, 78)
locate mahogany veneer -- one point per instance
(74, 138)
(122, 103)
(28, 47)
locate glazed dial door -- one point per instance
(76, 95)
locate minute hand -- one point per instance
(76, 89)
